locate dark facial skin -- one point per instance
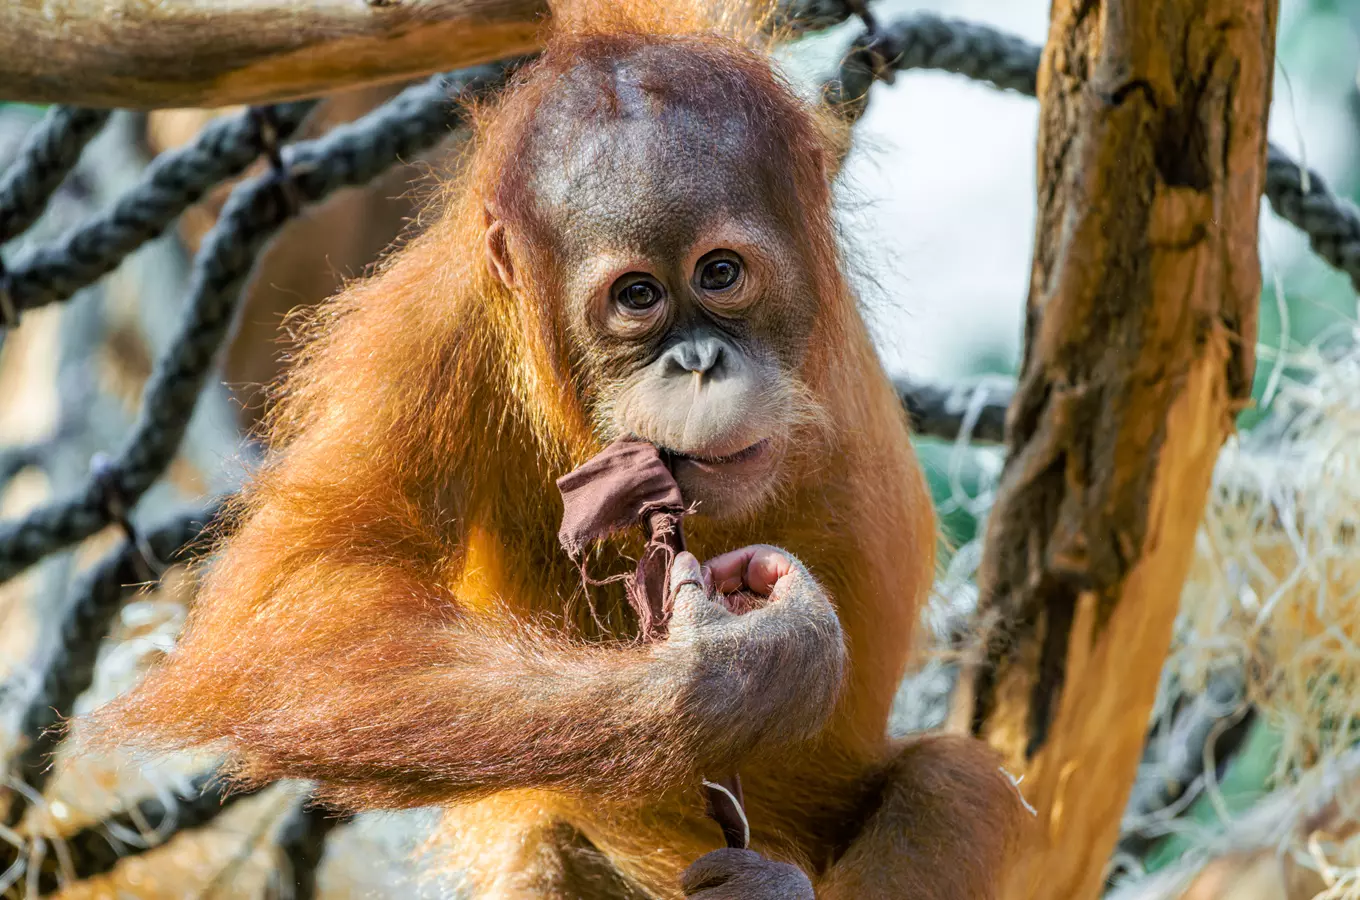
(681, 284)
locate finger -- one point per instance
(686, 574)
(729, 570)
(767, 566)
(688, 589)
(757, 568)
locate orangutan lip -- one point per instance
(750, 452)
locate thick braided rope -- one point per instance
(925, 41)
(97, 597)
(54, 273)
(1333, 227)
(919, 41)
(17, 457)
(50, 151)
(302, 843)
(943, 411)
(349, 155)
(172, 182)
(94, 850)
(799, 17)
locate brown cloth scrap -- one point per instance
(627, 484)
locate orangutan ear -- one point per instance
(498, 252)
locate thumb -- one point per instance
(688, 591)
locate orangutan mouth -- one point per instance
(754, 451)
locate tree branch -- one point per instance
(175, 53)
(1139, 344)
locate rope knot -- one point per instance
(878, 47)
(271, 148)
(874, 55)
(105, 474)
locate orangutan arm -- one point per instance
(349, 666)
(391, 716)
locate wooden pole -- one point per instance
(179, 53)
(1138, 351)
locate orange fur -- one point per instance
(398, 549)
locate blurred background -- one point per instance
(938, 202)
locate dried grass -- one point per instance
(1274, 587)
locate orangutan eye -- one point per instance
(637, 292)
(719, 273)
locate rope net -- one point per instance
(1270, 596)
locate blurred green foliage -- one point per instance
(1318, 55)
(957, 526)
(1246, 781)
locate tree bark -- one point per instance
(1139, 350)
(177, 53)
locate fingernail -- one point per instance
(685, 567)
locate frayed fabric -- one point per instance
(627, 484)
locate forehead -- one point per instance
(622, 157)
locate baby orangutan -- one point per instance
(640, 243)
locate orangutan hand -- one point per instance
(771, 674)
(730, 874)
